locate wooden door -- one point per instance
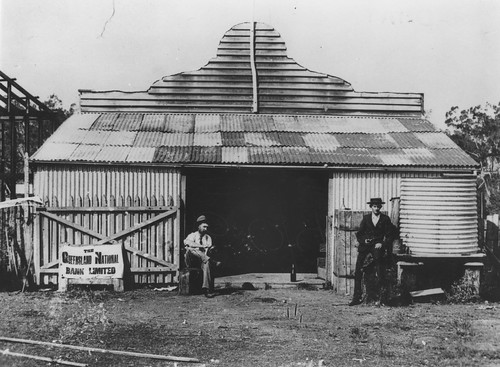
(345, 251)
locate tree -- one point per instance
(56, 105)
(477, 131)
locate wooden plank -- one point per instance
(48, 360)
(337, 254)
(78, 227)
(176, 230)
(137, 234)
(54, 238)
(217, 86)
(45, 247)
(120, 222)
(205, 89)
(86, 219)
(161, 239)
(99, 350)
(158, 269)
(138, 226)
(356, 218)
(341, 106)
(49, 271)
(153, 237)
(149, 257)
(50, 265)
(94, 222)
(37, 245)
(159, 103)
(427, 292)
(144, 236)
(316, 97)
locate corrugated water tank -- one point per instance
(438, 216)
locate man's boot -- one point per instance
(356, 300)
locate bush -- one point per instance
(462, 291)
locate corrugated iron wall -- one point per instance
(67, 182)
(352, 190)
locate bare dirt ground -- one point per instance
(248, 328)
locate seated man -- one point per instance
(197, 245)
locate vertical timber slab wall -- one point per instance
(65, 186)
(352, 190)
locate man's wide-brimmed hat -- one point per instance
(376, 201)
(201, 219)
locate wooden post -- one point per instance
(36, 247)
(2, 167)
(62, 282)
(177, 238)
(118, 284)
(28, 243)
(472, 275)
(13, 157)
(408, 275)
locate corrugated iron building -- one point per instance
(266, 148)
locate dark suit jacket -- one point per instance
(383, 232)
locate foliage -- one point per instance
(462, 291)
(477, 131)
(56, 105)
(492, 186)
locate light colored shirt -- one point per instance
(205, 241)
(375, 219)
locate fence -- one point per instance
(148, 228)
(15, 246)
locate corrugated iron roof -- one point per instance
(84, 153)
(121, 138)
(251, 139)
(128, 121)
(435, 141)
(112, 153)
(141, 154)
(233, 139)
(152, 123)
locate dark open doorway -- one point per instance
(261, 219)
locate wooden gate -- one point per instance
(148, 228)
(345, 249)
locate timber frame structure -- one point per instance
(20, 113)
(25, 124)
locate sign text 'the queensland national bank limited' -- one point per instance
(89, 261)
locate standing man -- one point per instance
(375, 234)
(197, 245)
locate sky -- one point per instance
(448, 50)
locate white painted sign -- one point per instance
(91, 261)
